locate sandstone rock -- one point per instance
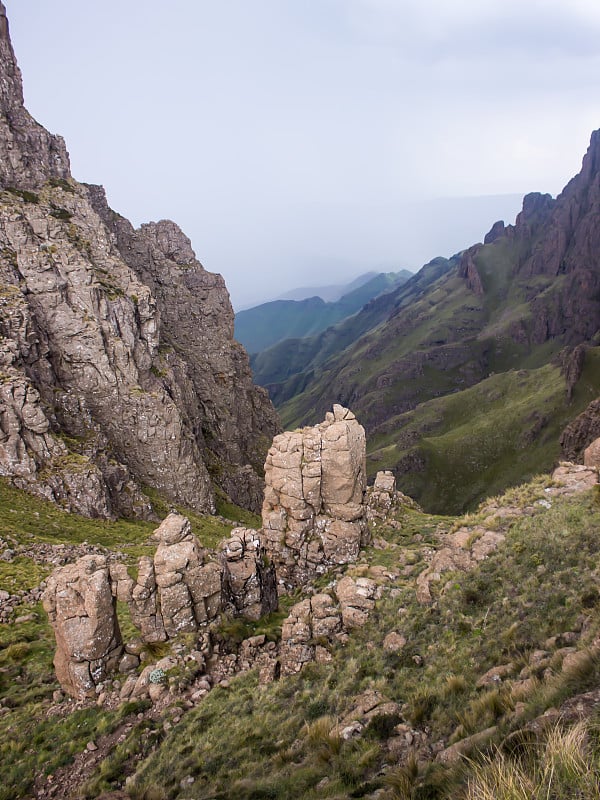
(495, 675)
(591, 454)
(581, 433)
(313, 511)
(357, 600)
(197, 319)
(394, 642)
(465, 746)
(573, 478)
(311, 624)
(249, 584)
(81, 610)
(29, 155)
(188, 590)
(127, 340)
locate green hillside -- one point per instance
(263, 326)
(286, 368)
(512, 613)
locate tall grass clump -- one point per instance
(562, 765)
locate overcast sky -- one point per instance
(305, 141)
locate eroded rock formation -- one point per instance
(81, 609)
(249, 584)
(314, 512)
(119, 366)
(319, 622)
(177, 591)
(315, 493)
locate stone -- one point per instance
(573, 478)
(495, 675)
(394, 642)
(249, 583)
(314, 514)
(81, 610)
(128, 663)
(118, 337)
(591, 454)
(357, 600)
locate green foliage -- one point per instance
(284, 739)
(60, 213)
(27, 197)
(61, 183)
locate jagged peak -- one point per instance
(11, 84)
(591, 160)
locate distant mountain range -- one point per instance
(465, 375)
(303, 315)
(329, 293)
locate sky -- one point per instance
(304, 142)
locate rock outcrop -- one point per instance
(29, 155)
(116, 346)
(249, 583)
(314, 513)
(81, 609)
(317, 623)
(581, 432)
(177, 591)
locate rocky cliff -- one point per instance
(119, 367)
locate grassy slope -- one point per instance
(286, 368)
(273, 742)
(451, 394)
(249, 742)
(485, 438)
(31, 741)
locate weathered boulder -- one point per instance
(591, 454)
(356, 597)
(314, 512)
(306, 634)
(314, 625)
(81, 610)
(188, 590)
(249, 584)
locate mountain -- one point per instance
(119, 366)
(285, 368)
(329, 293)
(465, 387)
(263, 326)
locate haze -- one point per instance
(302, 143)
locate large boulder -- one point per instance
(314, 513)
(81, 609)
(188, 590)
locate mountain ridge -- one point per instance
(264, 326)
(512, 302)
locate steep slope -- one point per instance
(285, 368)
(485, 635)
(265, 325)
(102, 391)
(514, 302)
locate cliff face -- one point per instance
(118, 362)
(29, 155)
